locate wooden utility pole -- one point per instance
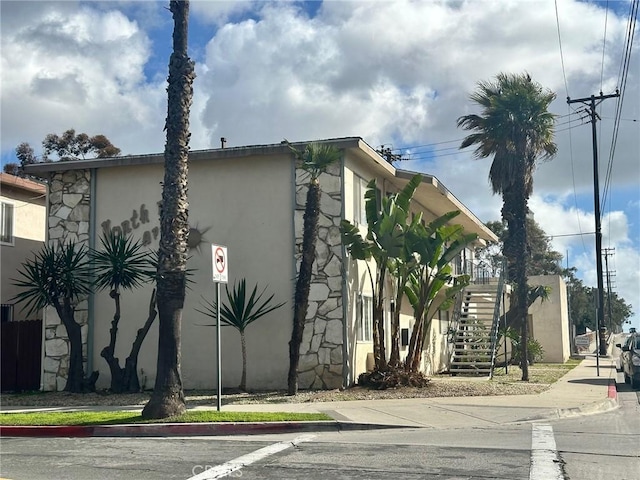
(592, 102)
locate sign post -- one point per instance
(220, 275)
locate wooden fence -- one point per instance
(20, 353)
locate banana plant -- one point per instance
(385, 244)
(435, 246)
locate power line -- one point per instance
(566, 88)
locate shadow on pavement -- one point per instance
(591, 381)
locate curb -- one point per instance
(185, 429)
(610, 403)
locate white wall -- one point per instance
(551, 319)
(243, 204)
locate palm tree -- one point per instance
(239, 312)
(120, 265)
(516, 129)
(58, 276)
(314, 160)
(168, 396)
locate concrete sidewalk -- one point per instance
(580, 392)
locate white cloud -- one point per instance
(77, 68)
(391, 72)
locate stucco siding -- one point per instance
(245, 206)
(29, 229)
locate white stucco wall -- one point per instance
(246, 206)
(551, 319)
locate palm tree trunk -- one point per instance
(243, 379)
(108, 352)
(75, 373)
(303, 284)
(130, 381)
(168, 396)
(515, 247)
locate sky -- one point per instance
(396, 73)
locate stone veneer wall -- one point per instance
(69, 216)
(321, 354)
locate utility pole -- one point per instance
(607, 253)
(591, 104)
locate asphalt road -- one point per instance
(603, 446)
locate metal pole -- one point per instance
(218, 355)
(591, 104)
(597, 341)
(602, 349)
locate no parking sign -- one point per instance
(220, 263)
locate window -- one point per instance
(365, 319)
(359, 211)
(359, 201)
(6, 223)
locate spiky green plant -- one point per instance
(239, 312)
(121, 264)
(58, 276)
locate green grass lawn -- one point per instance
(544, 373)
(121, 417)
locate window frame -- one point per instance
(7, 224)
(364, 323)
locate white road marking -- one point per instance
(545, 464)
(231, 466)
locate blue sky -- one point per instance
(395, 73)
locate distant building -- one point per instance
(23, 223)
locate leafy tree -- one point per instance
(314, 160)
(239, 312)
(72, 146)
(25, 156)
(66, 147)
(516, 129)
(59, 277)
(122, 265)
(582, 301)
(168, 396)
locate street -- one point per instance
(601, 446)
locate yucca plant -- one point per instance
(58, 276)
(122, 264)
(239, 312)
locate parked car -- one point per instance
(630, 360)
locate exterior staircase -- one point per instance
(475, 338)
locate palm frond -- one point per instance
(122, 262)
(240, 311)
(56, 272)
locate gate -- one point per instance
(20, 355)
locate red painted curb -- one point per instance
(47, 431)
(167, 429)
(613, 391)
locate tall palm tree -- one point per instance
(239, 312)
(314, 160)
(121, 264)
(516, 129)
(168, 396)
